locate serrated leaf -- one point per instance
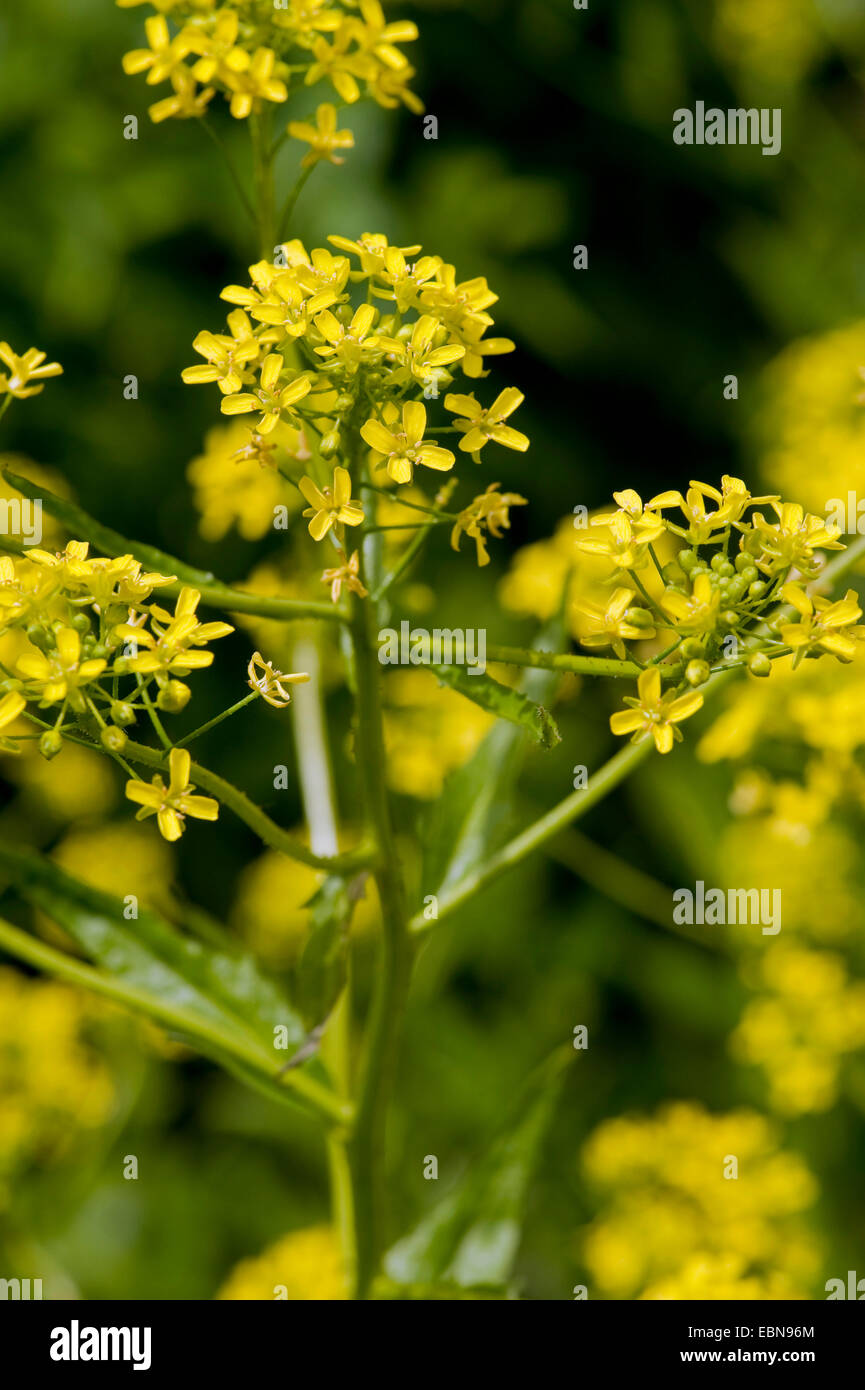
(221, 1002)
(471, 1237)
(503, 702)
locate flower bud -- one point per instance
(692, 648)
(757, 589)
(80, 622)
(639, 617)
(173, 697)
(40, 637)
(50, 744)
(113, 739)
(759, 664)
(122, 713)
(329, 444)
(697, 672)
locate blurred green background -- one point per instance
(554, 129)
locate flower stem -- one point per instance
(217, 719)
(562, 661)
(367, 1148)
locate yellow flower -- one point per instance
(702, 524)
(11, 706)
(270, 398)
(697, 611)
(301, 1266)
(323, 138)
(372, 249)
(733, 498)
(26, 374)
(626, 546)
(351, 345)
(479, 426)
(430, 731)
(225, 360)
(417, 352)
(405, 279)
(167, 651)
(376, 36)
(347, 574)
(654, 713)
(173, 803)
(270, 683)
(821, 621)
(399, 449)
(611, 626)
(491, 512)
(255, 83)
(186, 101)
(164, 55)
(791, 541)
(330, 506)
(60, 674)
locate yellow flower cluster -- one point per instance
(812, 420)
(806, 1016)
(429, 732)
(257, 53)
(709, 603)
(323, 377)
(91, 647)
(53, 1084)
(303, 1265)
(672, 1225)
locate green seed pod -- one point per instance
(50, 744)
(113, 739)
(122, 713)
(697, 672)
(173, 697)
(759, 664)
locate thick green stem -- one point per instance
(558, 661)
(367, 1149)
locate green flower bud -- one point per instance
(757, 589)
(173, 697)
(113, 739)
(691, 648)
(717, 561)
(80, 622)
(639, 617)
(330, 444)
(730, 618)
(50, 744)
(687, 560)
(726, 570)
(759, 664)
(122, 713)
(673, 574)
(697, 672)
(743, 562)
(40, 637)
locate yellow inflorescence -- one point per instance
(53, 1084)
(674, 1220)
(255, 55)
(320, 377)
(303, 1265)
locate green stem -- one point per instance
(218, 719)
(289, 204)
(367, 1149)
(402, 563)
(562, 661)
(229, 164)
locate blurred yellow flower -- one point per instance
(301, 1266)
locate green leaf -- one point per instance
(321, 970)
(503, 702)
(473, 813)
(471, 1237)
(219, 1001)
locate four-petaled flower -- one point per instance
(323, 138)
(173, 803)
(697, 611)
(397, 442)
(823, 625)
(60, 674)
(491, 512)
(330, 506)
(270, 398)
(347, 574)
(481, 426)
(612, 625)
(654, 713)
